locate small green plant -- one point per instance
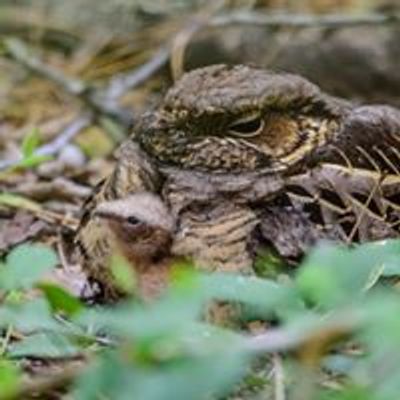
(30, 158)
(336, 326)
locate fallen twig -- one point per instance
(124, 82)
(65, 136)
(58, 188)
(21, 53)
(303, 20)
(322, 333)
(279, 378)
(19, 202)
(181, 40)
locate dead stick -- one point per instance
(130, 80)
(287, 339)
(21, 53)
(304, 20)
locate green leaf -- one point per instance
(268, 264)
(199, 377)
(60, 300)
(179, 308)
(123, 274)
(185, 280)
(33, 161)
(183, 305)
(101, 375)
(10, 378)
(30, 143)
(28, 317)
(26, 265)
(196, 379)
(266, 297)
(131, 320)
(390, 249)
(44, 344)
(382, 324)
(349, 392)
(333, 275)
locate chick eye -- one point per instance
(247, 127)
(133, 221)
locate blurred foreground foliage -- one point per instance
(335, 326)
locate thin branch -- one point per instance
(124, 82)
(290, 338)
(65, 136)
(304, 20)
(21, 53)
(181, 40)
(279, 378)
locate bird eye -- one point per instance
(247, 127)
(133, 221)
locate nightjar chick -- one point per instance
(140, 228)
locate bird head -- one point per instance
(141, 223)
(239, 119)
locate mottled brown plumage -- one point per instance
(231, 151)
(217, 237)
